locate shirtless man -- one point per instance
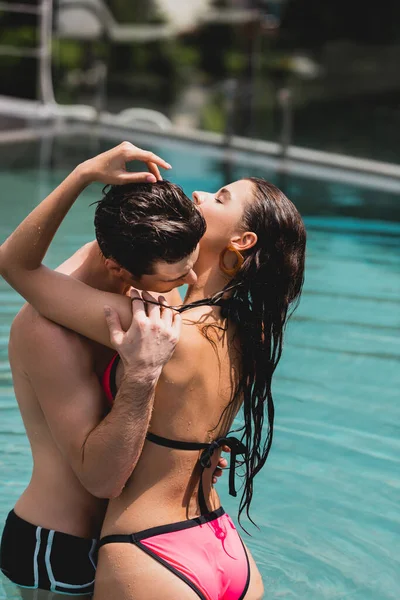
(82, 453)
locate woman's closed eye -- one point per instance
(218, 200)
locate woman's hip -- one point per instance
(204, 554)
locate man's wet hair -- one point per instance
(138, 224)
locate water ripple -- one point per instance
(327, 501)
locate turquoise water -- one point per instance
(327, 502)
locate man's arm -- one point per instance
(102, 451)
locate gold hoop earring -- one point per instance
(234, 270)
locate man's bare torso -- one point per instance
(47, 363)
(56, 375)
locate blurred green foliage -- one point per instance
(213, 117)
(68, 54)
(24, 36)
(137, 11)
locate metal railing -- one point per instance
(43, 51)
(20, 8)
(48, 106)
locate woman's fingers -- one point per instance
(134, 153)
(110, 167)
(154, 170)
(130, 177)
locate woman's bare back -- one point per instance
(194, 390)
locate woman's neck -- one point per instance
(210, 280)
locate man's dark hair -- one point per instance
(138, 224)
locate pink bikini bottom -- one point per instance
(207, 553)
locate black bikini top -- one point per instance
(235, 445)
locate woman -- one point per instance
(249, 273)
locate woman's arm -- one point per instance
(58, 297)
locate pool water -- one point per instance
(327, 501)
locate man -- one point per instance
(147, 237)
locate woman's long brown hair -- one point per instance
(260, 300)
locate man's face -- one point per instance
(168, 276)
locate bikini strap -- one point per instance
(108, 379)
(237, 447)
(176, 444)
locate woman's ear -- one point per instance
(245, 241)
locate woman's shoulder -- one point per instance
(199, 315)
(202, 332)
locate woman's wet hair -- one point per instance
(259, 300)
(138, 224)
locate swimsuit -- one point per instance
(206, 552)
(35, 557)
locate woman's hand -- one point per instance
(110, 167)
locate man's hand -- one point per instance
(222, 465)
(110, 167)
(151, 338)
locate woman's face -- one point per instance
(223, 212)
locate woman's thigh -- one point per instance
(255, 590)
(125, 572)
